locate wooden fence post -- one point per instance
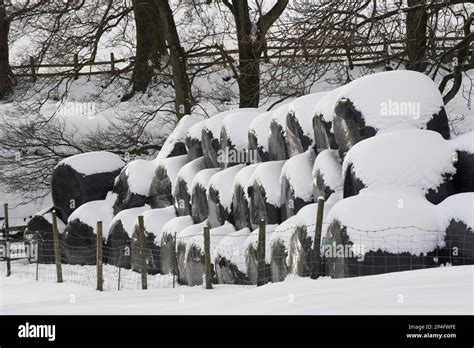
(141, 236)
(112, 62)
(57, 253)
(7, 239)
(100, 278)
(261, 253)
(76, 66)
(207, 256)
(316, 269)
(33, 70)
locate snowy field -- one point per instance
(448, 290)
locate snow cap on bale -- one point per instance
(297, 171)
(175, 143)
(222, 182)
(459, 208)
(154, 221)
(82, 178)
(164, 179)
(267, 175)
(390, 219)
(325, 106)
(193, 140)
(175, 225)
(199, 194)
(304, 108)
(91, 212)
(382, 98)
(260, 128)
(252, 240)
(413, 158)
(243, 177)
(464, 142)
(183, 190)
(132, 186)
(127, 218)
(230, 247)
(327, 169)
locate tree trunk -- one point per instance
(249, 56)
(416, 37)
(151, 43)
(181, 82)
(6, 83)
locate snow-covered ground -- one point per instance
(446, 290)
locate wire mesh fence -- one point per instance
(244, 257)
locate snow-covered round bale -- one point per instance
(240, 197)
(175, 144)
(382, 230)
(199, 194)
(277, 148)
(265, 193)
(132, 186)
(154, 220)
(83, 178)
(164, 178)
(229, 258)
(322, 121)
(299, 123)
(387, 100)
(411, 158)
(457, 212)
(291, 244)
(182, 190)
(296, 182)
(464, 177)
(168, 242)
(327, 174)
(191, 241)
(250, 249)
(258, 135)
(195, 267)
(117, 248)
(234, 139)
(80, 234)
(39, 232)
(219, 196)
(211, 133)
(193, 140)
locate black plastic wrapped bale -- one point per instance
(258, 135)
(277, 149)
(175, 144)
(164, 178)
(299, 123)
(234, 140)
(387, 100)
(220, 196)
(229, 259)
(327, 174)
(154, 220)
(132, 186)
(296, 183)
(199, 196)
(168, 243)
(464, 177)
(417, 159)
(458, 214)
(184, 240)
(183, 188)
(211, 133)
(322, 121)
(80, 234)
(193, 239)
(193, 140)
(250, 250)
(39, 234)
(118, 240)
(381, 231)
(83, 178)
(265, 194)
(240, 197)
